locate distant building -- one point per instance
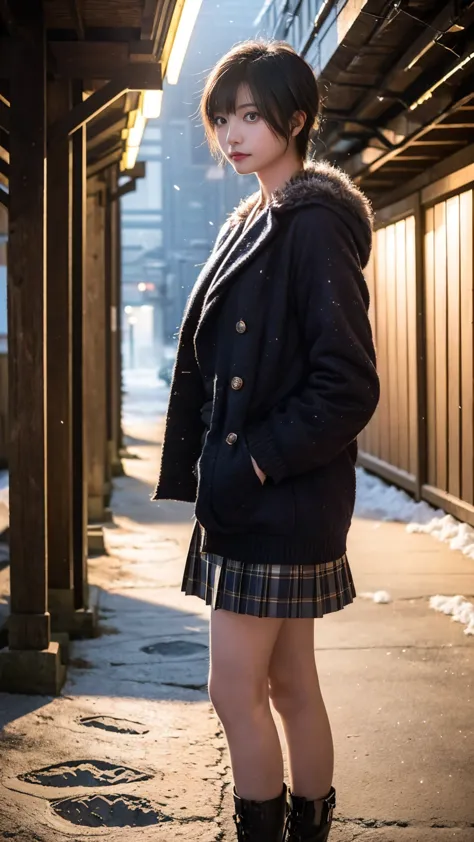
(171, 221)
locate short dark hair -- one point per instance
(281, 83)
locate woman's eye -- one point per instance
(252, 116)
(217, 121)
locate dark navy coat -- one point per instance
(276, 331)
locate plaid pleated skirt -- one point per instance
(267, 590)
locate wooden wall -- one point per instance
(421, 284)
(448, 246)
(391, 277)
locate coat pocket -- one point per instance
(240, 501)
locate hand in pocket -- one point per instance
(262, 477)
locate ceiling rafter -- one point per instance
(6, 15)
(78, 18)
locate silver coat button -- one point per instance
(231, 438)
(241, 327)
(236, 383)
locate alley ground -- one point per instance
(133, 738)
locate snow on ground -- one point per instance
(382, 597)
(377, 499)
(458, 607)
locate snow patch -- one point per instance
(458, 607)
(382, 597)
(376, 499)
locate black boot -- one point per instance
(300, 824)
(260, 821)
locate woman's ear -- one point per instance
(298, 122)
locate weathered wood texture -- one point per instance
(449, 351)
(78, 387)
(392, 434)
(113, 284)
(423, 321)
(118, 329)
(95, 357)
(95, 13)
(29, 621)
(59, 348)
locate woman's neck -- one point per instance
(277, 175)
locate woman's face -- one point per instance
(245, 139)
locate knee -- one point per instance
(290, 697)
(235, 699)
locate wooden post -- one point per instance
(68, 609)
(114, 351)
(95, 317)
(118, 335)
(80, 546)
(59, 338)
(108, 283)
(32, 664)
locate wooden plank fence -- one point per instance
(421, 436)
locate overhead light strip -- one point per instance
(151, 101)
(182, 38)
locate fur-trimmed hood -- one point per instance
(320, 183)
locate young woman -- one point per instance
(274, 379)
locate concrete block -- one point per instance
(117, 468)
(60, 600)
(63, 639)
(95, 508)
(32, 671)
(95, 539)
(81, 623)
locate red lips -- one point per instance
(239, 156)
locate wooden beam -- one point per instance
(114, 351)
(156, 21)
(94, 359)
(79, 159)
(90, 59)
(138, 171)
(29, 626)
(118, 325)
(150, 17)
(129, 187)
(417, 140)
(104, 163)
(136, 77)
(4, 141)
(6, 14)
(5, 57)
(4, 114)
(59, 362)
(76, 14)
(105, 129)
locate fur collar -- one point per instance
(318, 182)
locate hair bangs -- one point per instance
(222, 95)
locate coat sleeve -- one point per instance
(311, 427)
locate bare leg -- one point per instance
(296, 695)
(241, 648)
